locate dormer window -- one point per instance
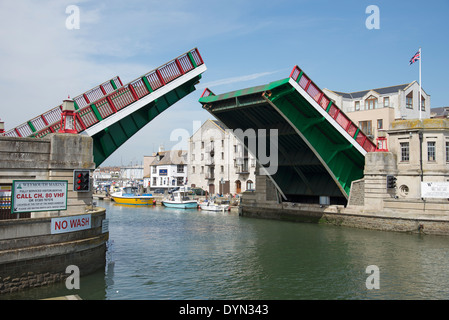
(409, 100)
(371, 103)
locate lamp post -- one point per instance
(68, 117)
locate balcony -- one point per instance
(209, 175)
(242, 169)
(210, 161)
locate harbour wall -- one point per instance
(31, 254)
(389, 214)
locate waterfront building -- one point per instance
(218, 161)
(439, 112)
(168, 169)
(147, 160)
(132, 172)
(374, 110)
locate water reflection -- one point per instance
(161, 253)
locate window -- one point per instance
(202, 169)
(222, 156)
(357, 105)
(409, 100)
(371, 103)
(193, 169)
(202, 144)
(222, 143)
(366, 127)
(193, 157)
(179, 181)
(249, 185)
(154, 181)
(154, 169)
(380, 123)
(405, 153)
(431, 151)
(180, 168)
(202, 156)
(447, 151)
(221, 169)
(423, 104)
(386, 102)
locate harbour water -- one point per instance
(159, 253)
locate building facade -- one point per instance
(218, 162)
(375, 109)
(169, 169)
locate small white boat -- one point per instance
(212, 206)
(181, 200)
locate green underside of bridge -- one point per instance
(314, 158)
(110, 139)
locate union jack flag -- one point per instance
(415, 58)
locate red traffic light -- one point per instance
(81, 180)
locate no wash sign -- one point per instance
(70, 223)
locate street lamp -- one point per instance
(68, 117)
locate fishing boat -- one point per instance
(212, 206)
(180, 199)
(130, 196)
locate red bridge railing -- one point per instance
(334, 111)
(110, 97)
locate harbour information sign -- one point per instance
(38, 195)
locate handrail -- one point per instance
(120, 98)
(109, 97)
(53, 116)
(333, 110)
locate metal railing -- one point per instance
(110, 97)
(51, 119)
(334, 111)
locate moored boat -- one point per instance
(180, 199)
(211, 206)
(130, 196)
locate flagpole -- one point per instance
(420, 95)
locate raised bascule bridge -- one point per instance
(320, 150)
(111, 112)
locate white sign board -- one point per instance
(38, 195)
(435, 190)
(105, 226)
(71, 223)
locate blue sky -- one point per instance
(243, 43)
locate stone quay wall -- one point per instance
(31, 255)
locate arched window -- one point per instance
(238, 186)
(249, 185)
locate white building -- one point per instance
(376, 109)
(131, 172)
(169, 169)
(218, 162)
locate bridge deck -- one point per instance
(320, 150)
(112, 112)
